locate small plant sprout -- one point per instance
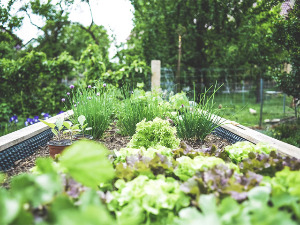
(58, 125)
(83, 126)
(71, 129)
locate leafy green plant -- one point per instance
(154, 133)
(57, 127)
(83, 126)
(123, 153)
(187, 167)
(240, 150)
(268, 164)
(179, 100)
(52, 186)
(198, 121)
(136, 165)
(229, 211)
(151, 200)
(289, 133)
(71, 129)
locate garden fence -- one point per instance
(239, 92)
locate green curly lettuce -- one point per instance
(187, 167)
(240, 150)
(154, 133)
(150, 152)
(147, 197)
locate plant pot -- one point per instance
(81, 136)
(57, 147)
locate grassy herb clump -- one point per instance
(97, 105)
(137, 108)
(199, 120)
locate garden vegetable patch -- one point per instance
(156, 181)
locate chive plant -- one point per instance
(97, 105)
(200, 120)
(136, 108)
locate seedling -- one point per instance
(56, 127)
(71, 129)
(83, 126)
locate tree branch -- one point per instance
(15, 37)
(88, 2)
(31, 20)
(90, 32)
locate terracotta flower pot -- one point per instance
(81, 136)
(57, 147)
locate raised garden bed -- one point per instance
(150, 179)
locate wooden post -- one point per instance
(261, 102)
(155, 78)
(178, 65)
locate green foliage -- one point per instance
(5, 112)
(123, 153)
(75, 38)
(179, 101)
(230, 212)
(96, 104)
(286, 35)
(240, 150)
(218, 33)
(128, 74)
(55, 15)
(87, 163)
(268, 164)
(187, 167)
(286, 181)
(56, 127)
(146, 197)
(10, 43)
(154, 133)
(83, 126)
(136, 165)
(92, 62)
(289, 133)
(32, 84)
(136, 108)
(197, 121)
(30, 194)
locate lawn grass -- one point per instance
(235, 107)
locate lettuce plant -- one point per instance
(146, 197)
(150, 152)
(154, 133)
(187, 167)
(240, 150)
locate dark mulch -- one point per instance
(112, 140)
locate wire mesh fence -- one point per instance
(239, 93)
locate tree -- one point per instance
(10, 42)
(222, 34)
(287, 36)
(60, 34)
(75, 40)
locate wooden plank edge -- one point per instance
(256, 137)
(25, 133)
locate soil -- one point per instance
(112, 140)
